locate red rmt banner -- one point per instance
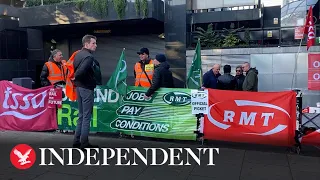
(251, 117)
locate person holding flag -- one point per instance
(194, 79)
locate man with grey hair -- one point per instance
(210, 78)
(250, 83)
(86, 77)
(53, 71)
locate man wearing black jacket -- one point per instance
(162, 77)
(227, 81)
(87, 76)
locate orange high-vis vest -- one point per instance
(71, 92)
(56, 74)
(141, 78)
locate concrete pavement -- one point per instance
(234, 161)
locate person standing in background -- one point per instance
(250, 83)
(53, 71)
(240, 77)
(227, 81)
(210, 78)
(143, 69)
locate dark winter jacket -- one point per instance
(162, 78)
(45, 73)
(227, 82)
(87, 70)
(240, 80)
(250, 83)
(210, 80)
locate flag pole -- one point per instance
(296, 64)
(200, 65)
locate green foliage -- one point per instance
(120, 7)
(231, 39)
(208, 38)
(100, 6)
(80, 4)
(137, 7)
(141, 5)
(144, 7)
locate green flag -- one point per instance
(194, 80)
(118, 80)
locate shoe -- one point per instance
(89, 146)
(77, 145)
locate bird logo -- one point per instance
(22, 156)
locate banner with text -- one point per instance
(167, 114)
(251, 117)
(314, 72)
(25, 109)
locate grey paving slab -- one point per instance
(59, 176)
(192, 177)
(165, 172)
(267, 158)
(233, 156)
(20, 176)
(220, 171)
(253, 171)
(304, 163)
(118, 172)
(304, 175)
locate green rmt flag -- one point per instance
(118, 80)
(194, 80)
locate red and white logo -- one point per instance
(23, 156)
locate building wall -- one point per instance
(275, 66)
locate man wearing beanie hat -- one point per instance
(162, 77)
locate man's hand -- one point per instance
(147, 97)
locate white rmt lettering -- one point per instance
(246, 120)
(228, 116)
(266, 118)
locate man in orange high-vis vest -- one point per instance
(144, 69)
(53, 71)
(71, 92)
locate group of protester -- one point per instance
(81, 74)
(240, 82)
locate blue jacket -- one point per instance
(210, 80)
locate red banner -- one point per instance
(314, 72)
(312, 138)
(23, 109)
(251, 117)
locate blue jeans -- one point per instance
(85, 99)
